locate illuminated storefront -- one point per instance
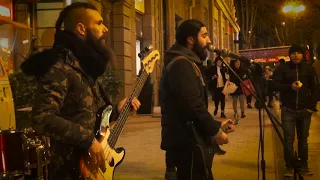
(10, 33)
(14, 36)
(6, 34)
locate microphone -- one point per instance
(228, 53)
(212, 48)
(144, 51)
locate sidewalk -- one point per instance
(314, 145)
(145, 160)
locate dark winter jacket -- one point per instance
(211, 71)
(289, 73)
(67, 99)
(184, 99)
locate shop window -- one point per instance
(4, 11)
(4, 42)
(47, 13)
(47, 18)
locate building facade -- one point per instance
(134, 24)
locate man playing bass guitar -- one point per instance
(68, 95)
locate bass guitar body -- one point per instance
(88, 170)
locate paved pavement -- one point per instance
(145, 160)
(314, 145)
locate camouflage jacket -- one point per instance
(65, 107)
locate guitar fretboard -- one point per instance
(125, 112)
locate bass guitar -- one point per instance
(109, 137)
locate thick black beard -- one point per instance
(93, 56)
(99, 64)
(199, 51)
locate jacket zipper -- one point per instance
(297, 98)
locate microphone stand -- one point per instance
(258, 96)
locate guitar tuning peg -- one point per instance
(145, 51)
(149, 48)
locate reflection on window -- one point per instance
(68, 2)
(4, 43)
(4, 11)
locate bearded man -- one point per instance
(184, 100)
(68, 94)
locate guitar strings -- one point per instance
(126, 112)
(127, 108)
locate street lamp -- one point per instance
(293, 6)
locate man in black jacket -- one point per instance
(296, 82)
(184, 99)
(68, 95)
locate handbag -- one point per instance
(249, 85)
(229, 88)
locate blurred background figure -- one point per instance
(217, 76)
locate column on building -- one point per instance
(221, 28)
(225, 33)
(169, 22)
(216, 26)
(153, 35)
(124, 44)
(211, 28)
(198, 11)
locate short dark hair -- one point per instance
(190, 27)
(281, 61)
(218, 58)
(67, 12)
(296, 48)
(233, 63)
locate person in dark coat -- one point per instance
(217, 74)
(185, 101)
(296, 81)
(68, 94)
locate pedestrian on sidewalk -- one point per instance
(218, 77)
(296, 82)
(238, 94)
(249, 97)
(184, 104)
(268, 74)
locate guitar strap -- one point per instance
(107, 102)
(195, 67)
(103, 94)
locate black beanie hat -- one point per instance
(296, 48)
